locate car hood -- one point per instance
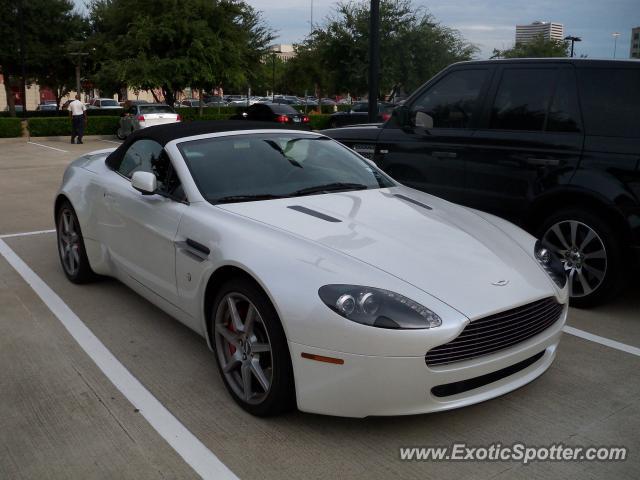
(446, 250)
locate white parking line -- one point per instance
(602, 340)
(24, 234)
(187, 445)
(47, 146)
(111, 141)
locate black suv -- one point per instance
(550, 144)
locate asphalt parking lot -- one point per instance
(61, 417)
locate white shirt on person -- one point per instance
(76, 107)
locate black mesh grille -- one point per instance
(497, 332)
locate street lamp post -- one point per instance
(615, 36)
(572, 39)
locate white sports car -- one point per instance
(317, 280)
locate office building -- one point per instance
(548, 30)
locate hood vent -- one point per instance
(411, 200)
(314, 213)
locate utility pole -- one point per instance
(374, 59)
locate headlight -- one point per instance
(377, 307)
(551, 264)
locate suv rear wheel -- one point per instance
(590, 251)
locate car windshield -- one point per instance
(263, 166)
(155, 109)
(109, 103)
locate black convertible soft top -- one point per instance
(164, 134)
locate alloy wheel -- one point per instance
(582, 253)
(243, 348)
(69, 242)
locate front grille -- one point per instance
(497, 332)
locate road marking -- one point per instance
(185, 443)
(24, 234)
(47, 146)
(111, 141)
(602, 340)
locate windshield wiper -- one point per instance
(329, 187)
(246, 198)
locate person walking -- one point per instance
(78, 115)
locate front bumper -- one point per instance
(377, 386)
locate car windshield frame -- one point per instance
(371, 177)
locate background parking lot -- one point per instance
(61, 417)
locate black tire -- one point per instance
(120, 135)
(280, 397)
(333, 123)
(83, 272)
(613, 279)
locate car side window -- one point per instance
(149, 156)
(523, 98)
(140, 157)
(453, 100)
(564, 113)
(610, 99)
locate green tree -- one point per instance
(147, 44)
(413, 47)
(539, 47)
(44, 28)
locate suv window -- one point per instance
(522, 99)
(564, 114)
(453, 101)
(610, 101)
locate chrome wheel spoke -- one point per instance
(235, 316)
(599, 274)
(234, 364)
(573, 226)
(560, 236)
(259, 374)
(245, 371)
(572, 274)
(587, 239)
(599, 254)
(248, 321)
(260, 347)
(229, 336)
(586, 288)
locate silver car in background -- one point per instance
(144, 115)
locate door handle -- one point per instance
(542, 162)
(444, 154)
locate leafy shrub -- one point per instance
(10, 127)
(319, 122)
(57, 126)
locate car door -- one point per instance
(138, 229)
(530, 141)
(433, 159)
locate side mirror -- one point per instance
(401, 114)
(144, 182)
(423, 120)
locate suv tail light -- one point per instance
(282, 119)
(386, 116)
(141, 118)
(178, 118)
(305, 119)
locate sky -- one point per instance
(488, 24)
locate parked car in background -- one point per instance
(46, 107)
(142, 115)
(328, 101)
(19, 108)
(359, 113)
(550, 144)
(215, 101)
(274, 112)
(104, 104)
(191, 103)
